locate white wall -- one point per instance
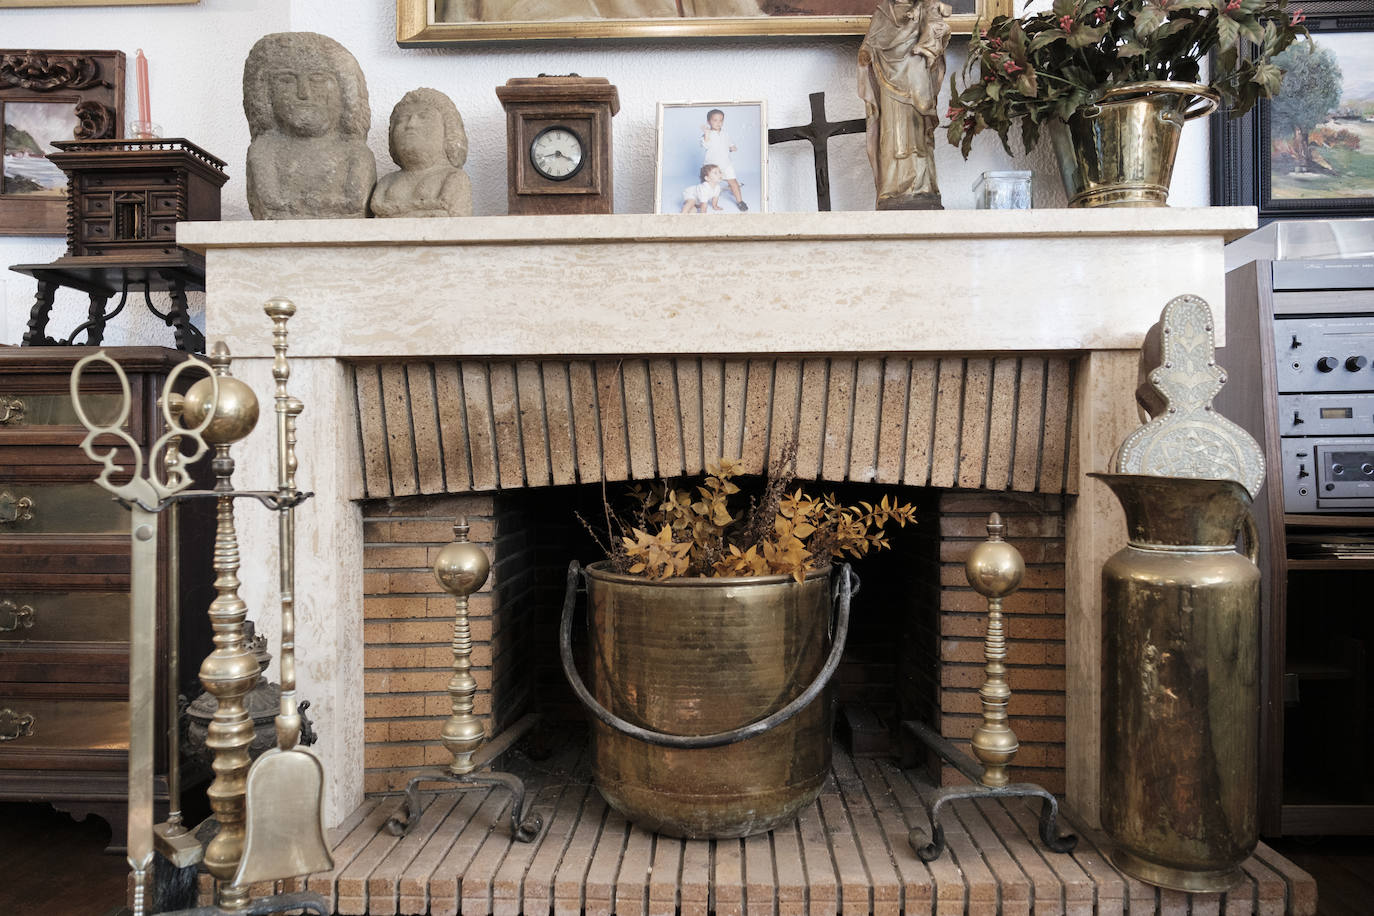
(196, 57)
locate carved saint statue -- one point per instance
(901, 69)
(541, 10)
(306, 102)
(430, 145)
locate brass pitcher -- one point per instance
(1119, 152)
(1180, 683)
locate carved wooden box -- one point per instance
(126, 196)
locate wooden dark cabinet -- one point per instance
(64, 586)
(1318, 567)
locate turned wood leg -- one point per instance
(35, 336)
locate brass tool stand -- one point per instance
(462, 569)
(216, 412)
(994, 569)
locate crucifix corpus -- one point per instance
(819, 132)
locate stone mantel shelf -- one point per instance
(956, 280)
(1083, 283)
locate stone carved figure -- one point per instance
(308, 115)
(430, 145)
(540, 10)
(901, 69)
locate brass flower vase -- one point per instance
(1180, 686)
(1119, 152)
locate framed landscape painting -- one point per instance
(1309, 152)
(422, 23)
(47, 96)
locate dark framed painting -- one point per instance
(425, 23)
(1309, 151)
(47, 96)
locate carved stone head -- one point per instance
(426, 129)
(306, 85)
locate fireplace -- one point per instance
(999, 427)
(441, 361)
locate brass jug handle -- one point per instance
(1249, 537)
(845, 588)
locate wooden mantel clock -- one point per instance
(558, 139)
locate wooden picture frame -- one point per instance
(428, 23)
(46, 96)
(1251, 167)
(683, 154)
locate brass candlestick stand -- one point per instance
(462, 569)
(216, 411)
(994, 569)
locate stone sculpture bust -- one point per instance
(308, 115)
(428, 142)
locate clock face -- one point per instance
(557, 153)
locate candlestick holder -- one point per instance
(994, 570)
(462, 568)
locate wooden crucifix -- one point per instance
(819, 132)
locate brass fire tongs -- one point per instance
(153, 487)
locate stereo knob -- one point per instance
(1295, 344)
(1327, 364)
(1355, 363)
(1302, 471)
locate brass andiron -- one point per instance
(462, 568)
(994, 570)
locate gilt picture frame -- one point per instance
(729, 137)
(1281, 160)
(17, 4)
(45, 96)
(430, 23)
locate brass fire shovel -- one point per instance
(284, 835)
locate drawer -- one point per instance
(63, 617)
(60, 509)
(92, 665)
(97, 563)
(27, 410)
(77, 732)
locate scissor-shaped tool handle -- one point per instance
(160, 480)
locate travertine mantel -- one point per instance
(1086, 283)
(971, 280)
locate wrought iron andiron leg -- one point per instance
(462, 568)
(524, 826)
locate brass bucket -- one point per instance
(711, 696)
(1119, 152)
(1180, 685)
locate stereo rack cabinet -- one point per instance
(64, 585)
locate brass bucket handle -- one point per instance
(1249, 537)
(846, 586)
(1204, 103)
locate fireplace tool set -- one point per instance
(268, 815)
(994, 569)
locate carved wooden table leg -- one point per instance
(188, 336)
(95, 320)
(35, 336)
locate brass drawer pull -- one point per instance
(11, 411)
(15, 617)
(14, 509)
(15, 725)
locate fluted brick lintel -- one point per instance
(459, 426)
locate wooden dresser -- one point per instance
(64, 585)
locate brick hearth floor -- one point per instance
(846, 854)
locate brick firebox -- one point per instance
(917, 592)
